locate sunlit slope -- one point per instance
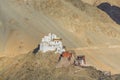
(26, 27)
(78, 18)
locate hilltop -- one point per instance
(42, 67)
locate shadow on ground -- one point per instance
(112, 11)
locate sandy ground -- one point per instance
(23, 27)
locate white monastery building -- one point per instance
(51, 43)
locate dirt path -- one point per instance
(95, 47)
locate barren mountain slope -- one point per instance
(80, 25)
(79, 18)
(25, 27)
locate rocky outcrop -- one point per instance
(42, 67)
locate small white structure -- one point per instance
(51, 43)
(80, 61)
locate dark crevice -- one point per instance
(112, 11)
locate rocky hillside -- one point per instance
(42, 67)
